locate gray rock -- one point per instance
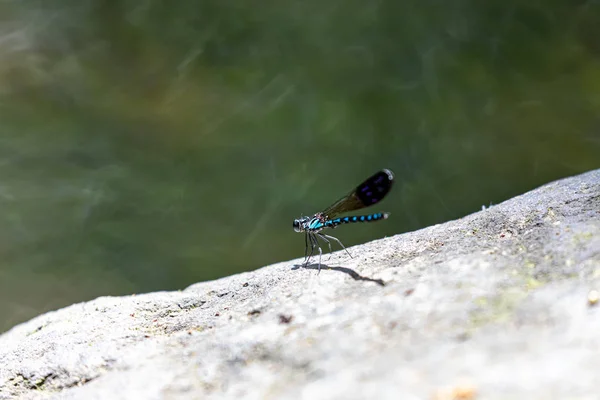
(496, 305)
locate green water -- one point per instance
(148, 145)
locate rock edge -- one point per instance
(490, 306)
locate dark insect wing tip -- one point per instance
(368, 193)
(375, 188)
(389, 174)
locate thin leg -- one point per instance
(320, 251)
(312, 247)
(315, 243)
(326, 241)
(305, 246)
(340, 243)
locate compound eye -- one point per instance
(297, 225)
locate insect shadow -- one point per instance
(353, 274)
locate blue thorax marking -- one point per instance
(314, 224)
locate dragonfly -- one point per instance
(368, 193)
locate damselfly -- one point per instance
(368, 193)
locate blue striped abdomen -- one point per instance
(356, 218)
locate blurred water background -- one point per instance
(147, 145)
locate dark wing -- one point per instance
(370, 192)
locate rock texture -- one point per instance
(497, 305)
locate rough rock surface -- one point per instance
(496, 305)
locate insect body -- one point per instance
(368, 193)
